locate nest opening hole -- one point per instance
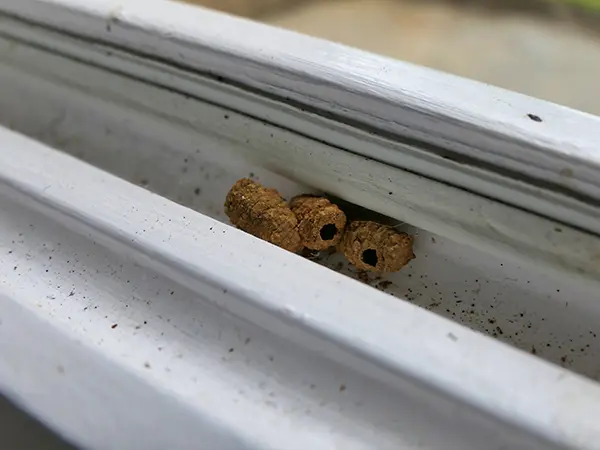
(328, 232)
(370, 257)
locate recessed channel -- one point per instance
(515, 304)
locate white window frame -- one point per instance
(458, 158)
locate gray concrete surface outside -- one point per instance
(548, 58)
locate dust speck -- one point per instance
(385, 284)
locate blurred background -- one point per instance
(548, 49)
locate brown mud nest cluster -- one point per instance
(315, 223)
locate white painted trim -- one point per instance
(317, 309)
(457, 131)
(90, 399)
(433, 206)
(399, 350)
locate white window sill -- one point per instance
(129, 310)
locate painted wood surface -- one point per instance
(271, 348)
(433, 206)
(192, 151)
(390, 343)
(493, 136)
